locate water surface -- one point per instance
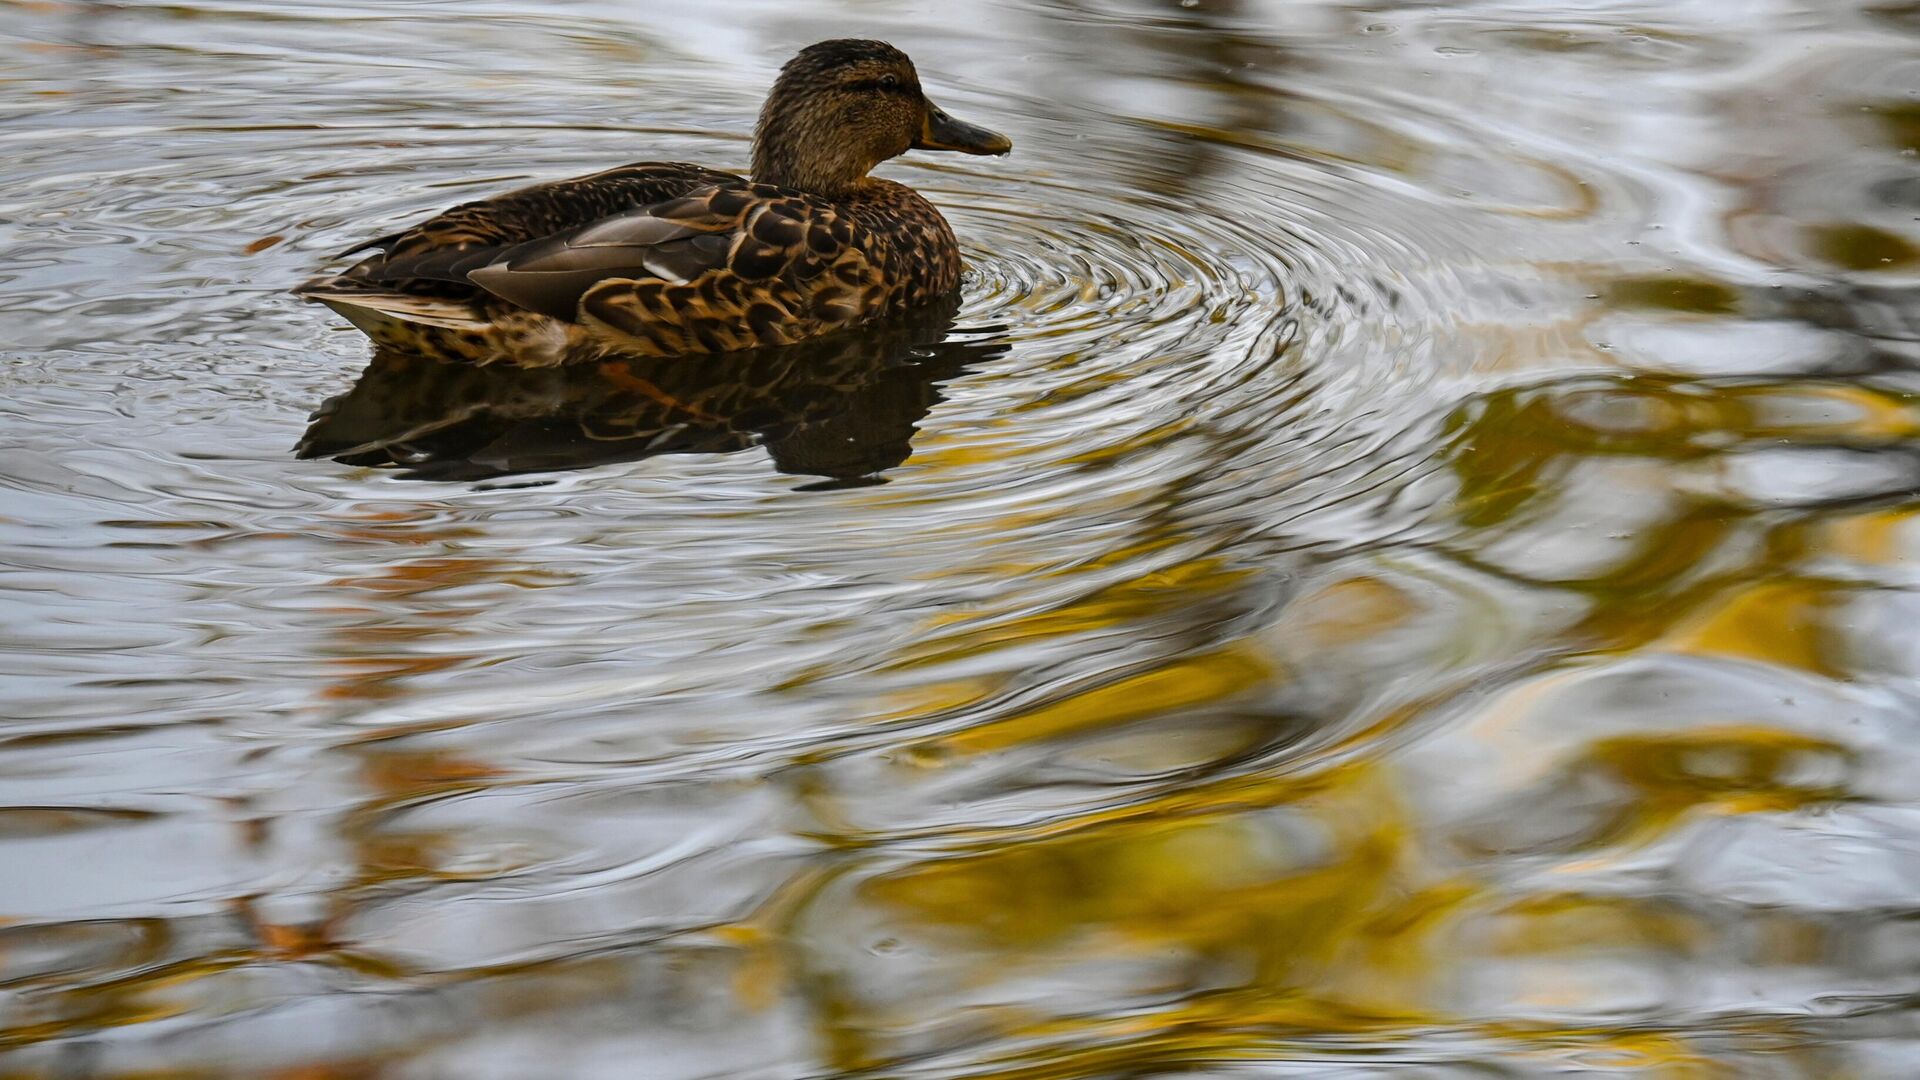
(1402, 562)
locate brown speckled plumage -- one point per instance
(667, 258)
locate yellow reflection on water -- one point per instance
(1189, 681)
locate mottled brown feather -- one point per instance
(746, 250)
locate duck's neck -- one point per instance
(791, 154)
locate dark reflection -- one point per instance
(1202, 47)
(843, 407)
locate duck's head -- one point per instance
(841, 107)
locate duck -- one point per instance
(673, 259)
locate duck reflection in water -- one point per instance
(843, 407)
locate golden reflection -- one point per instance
(1186, 682)
(1518, 451)
(1776, 622)
(926, 700)
(1878, 538)
(1635, 788)
(1148, 598)
(1264, 904)
(1549, 927)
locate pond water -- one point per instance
(1400, 564)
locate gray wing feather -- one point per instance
(550, 275)
(452, 264)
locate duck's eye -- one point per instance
(889, 82)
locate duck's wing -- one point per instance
(724, 266)
(418, 276)
(427, 258)
(546, 209)
(717, 250)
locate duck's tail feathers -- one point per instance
(373, 309)
(368, 245)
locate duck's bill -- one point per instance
(943, 132)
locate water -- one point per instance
(1402, 563)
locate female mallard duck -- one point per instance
(665, 259)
